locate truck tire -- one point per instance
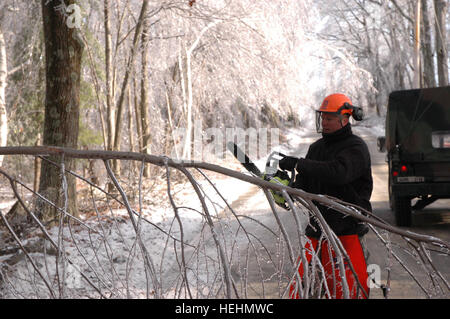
(402, 211)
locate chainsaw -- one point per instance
(271, 171)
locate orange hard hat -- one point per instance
(336, 103)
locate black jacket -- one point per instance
(338, 165)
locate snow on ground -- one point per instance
(374, 125)
(107, 251)
(113, 259)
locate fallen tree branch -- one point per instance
(200, 272)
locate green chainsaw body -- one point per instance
(271, 172)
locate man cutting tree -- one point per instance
(338, 165)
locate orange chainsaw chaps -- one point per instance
(354, 250)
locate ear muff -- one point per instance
(356, 112)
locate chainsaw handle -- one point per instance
(274, 167)
(291, 181)
(272, 156)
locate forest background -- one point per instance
(147, 70)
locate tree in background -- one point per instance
(144, 134)
(63, 53)
(381, 36)
(3, 75)
(229, 64)
(440, 8)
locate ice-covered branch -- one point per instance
(184, 238)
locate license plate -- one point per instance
(446, 142)
(410, 179)
(440, 139)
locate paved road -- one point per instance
(433, 220)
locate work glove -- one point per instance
(280, 178)
(288, 163)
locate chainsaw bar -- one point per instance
(244, 159)
(278, 177)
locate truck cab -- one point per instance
(417, 143)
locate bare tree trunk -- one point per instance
(129, 67)
(137, 114)
(440, 7)
(428, 61)
(109, 88)
(188, 77)
(63, 53)
(37, 166)
(145, 127)
(130, 125)
(130, 120)
(188, 87)
(417, 62)
(3, 76)
(399, 66)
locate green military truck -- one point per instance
(417, 142)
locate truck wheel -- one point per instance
(402, 210)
